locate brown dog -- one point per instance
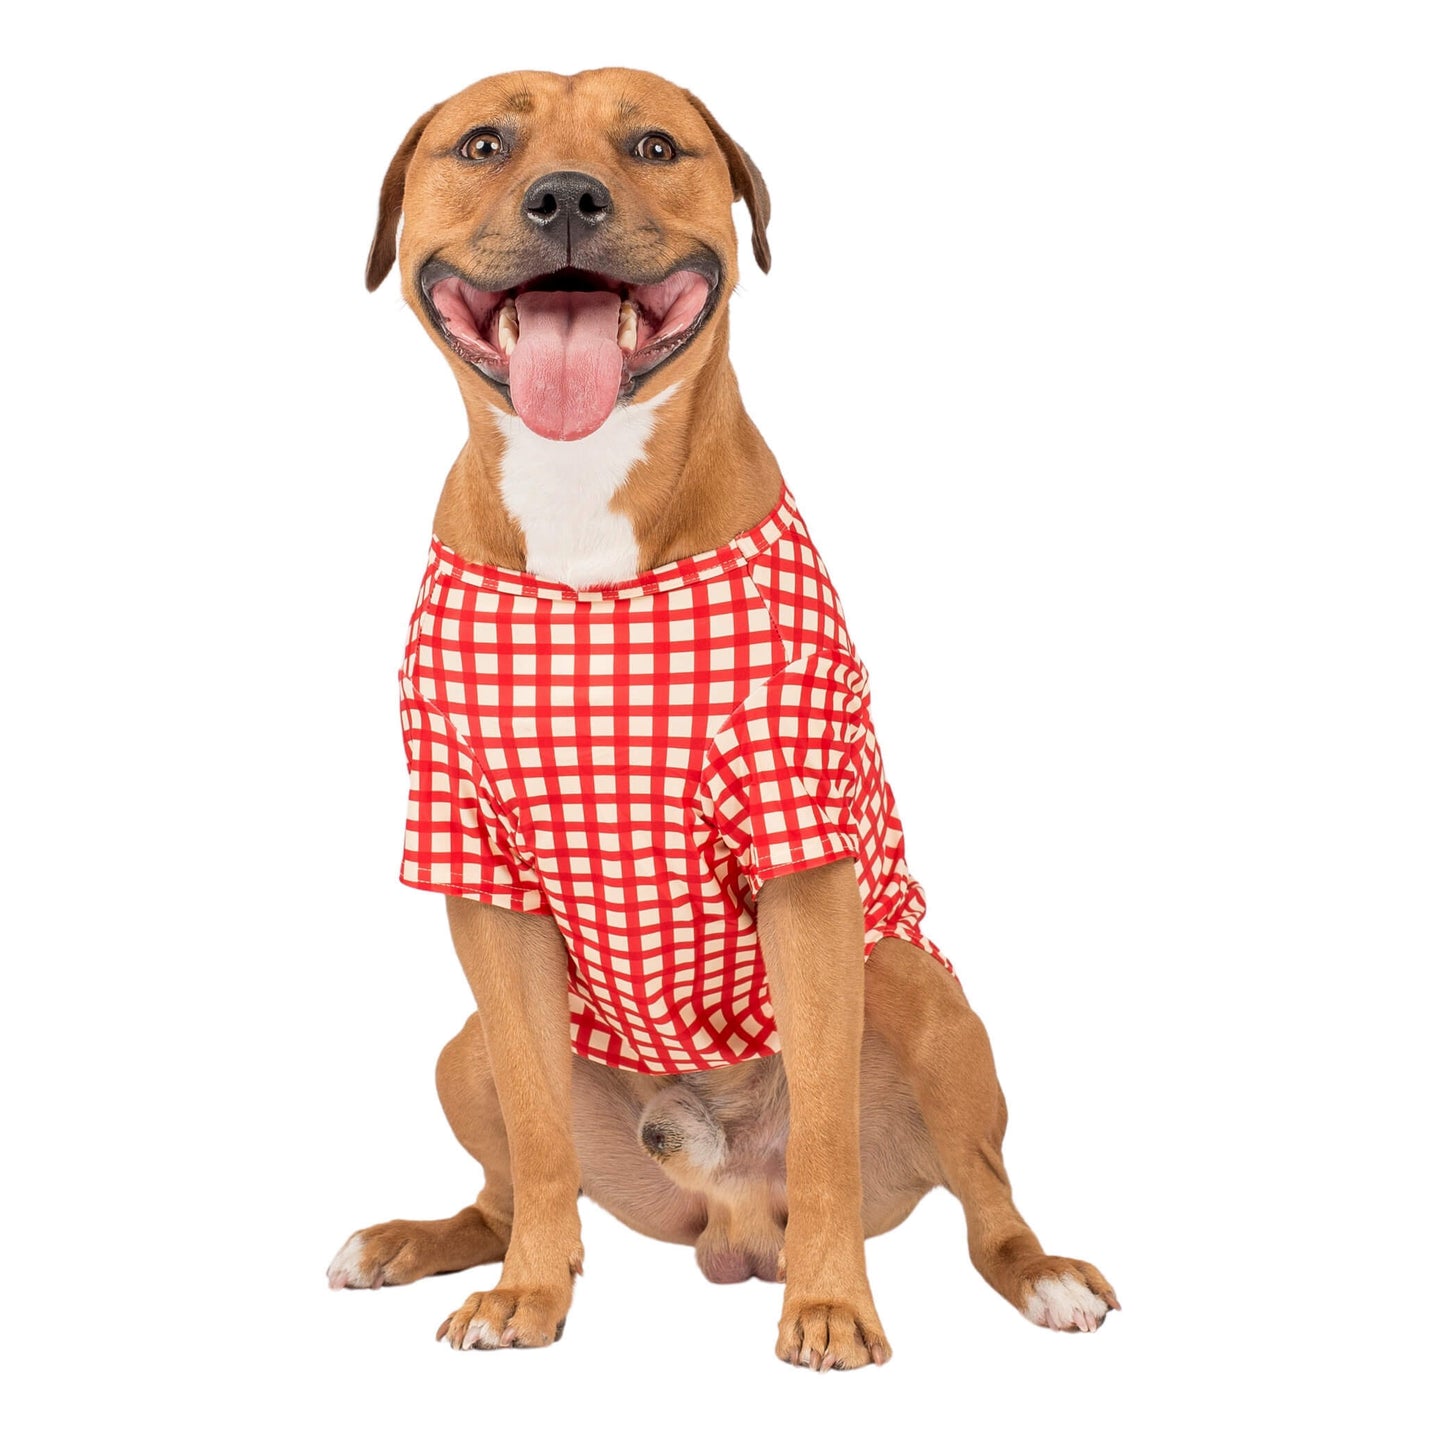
(541, 212)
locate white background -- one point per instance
(1103, 348)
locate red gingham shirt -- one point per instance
(637, 759)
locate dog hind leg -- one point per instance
(405, 1250)
(944, 1052)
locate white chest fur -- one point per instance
(560, 494)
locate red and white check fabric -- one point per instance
(637, 759)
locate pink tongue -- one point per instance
(567, 366)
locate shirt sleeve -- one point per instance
(457, 840)
(780, 776)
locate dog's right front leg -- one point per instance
(516, 964)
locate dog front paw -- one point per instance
(1065, 1294)
(831, 1334)
(507, 1318)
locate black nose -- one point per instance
(567, 197)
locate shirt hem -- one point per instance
(670, 1067)
(800, 862)
(519, 900)
(916, 938)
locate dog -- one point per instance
(643, 771)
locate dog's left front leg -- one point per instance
(516, 964)
(811, 925)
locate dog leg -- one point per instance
(945, 1055)
(410, 1249)
(516, 965)
(811, 924)
(406, 1250)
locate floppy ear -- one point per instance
(747, 183)
(388, 210)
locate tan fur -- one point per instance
(709, 475)
(885, 1087)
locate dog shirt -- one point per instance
(637, 759)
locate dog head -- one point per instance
(569, 239)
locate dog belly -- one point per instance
(616, 1170)
(730, 1202)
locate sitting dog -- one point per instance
(643, 770)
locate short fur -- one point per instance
(885, 1086)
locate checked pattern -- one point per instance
(637, 760)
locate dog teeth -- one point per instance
(627, 327)
(507, 327)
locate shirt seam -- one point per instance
(767, 607)
(705, 802)
(824, 652)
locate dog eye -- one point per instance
(481, 145)
(655, 148)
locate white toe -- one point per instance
(480, 1333)
(344, 1272)
(1064, 1303)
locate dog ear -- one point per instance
(747, 183)
(388, 210)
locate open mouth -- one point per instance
(566, 346)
